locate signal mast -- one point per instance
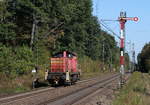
(122, 20)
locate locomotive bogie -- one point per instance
(62, 78)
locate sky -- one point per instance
(136, 32)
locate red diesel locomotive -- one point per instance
(63, 68)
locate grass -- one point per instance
(136, 91)
(15, 85)
(90, 68)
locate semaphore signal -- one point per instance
(128, 18)
(122, 20)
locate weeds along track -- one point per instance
(51, 94)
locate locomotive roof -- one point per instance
(68, 52)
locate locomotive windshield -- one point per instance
(60, 54)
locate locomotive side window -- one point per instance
(59, 55)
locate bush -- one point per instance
(6, 58)
(15, 61)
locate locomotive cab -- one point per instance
(63, 68)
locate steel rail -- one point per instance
(73, 97)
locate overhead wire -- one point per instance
(109, 29)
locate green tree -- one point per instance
(144, 59)
(35, 29)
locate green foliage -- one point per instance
(90, 68)
(6, 59)
(59, 25)
(88, 65)
(41, 55)
(144, 59)
(7, 28)
(23, 60)
(15, 60)
(7, 31)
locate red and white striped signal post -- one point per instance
(123, 19)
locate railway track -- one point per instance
(36, 91)
(52, 96)
(76, 97)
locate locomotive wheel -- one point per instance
(68, 83)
